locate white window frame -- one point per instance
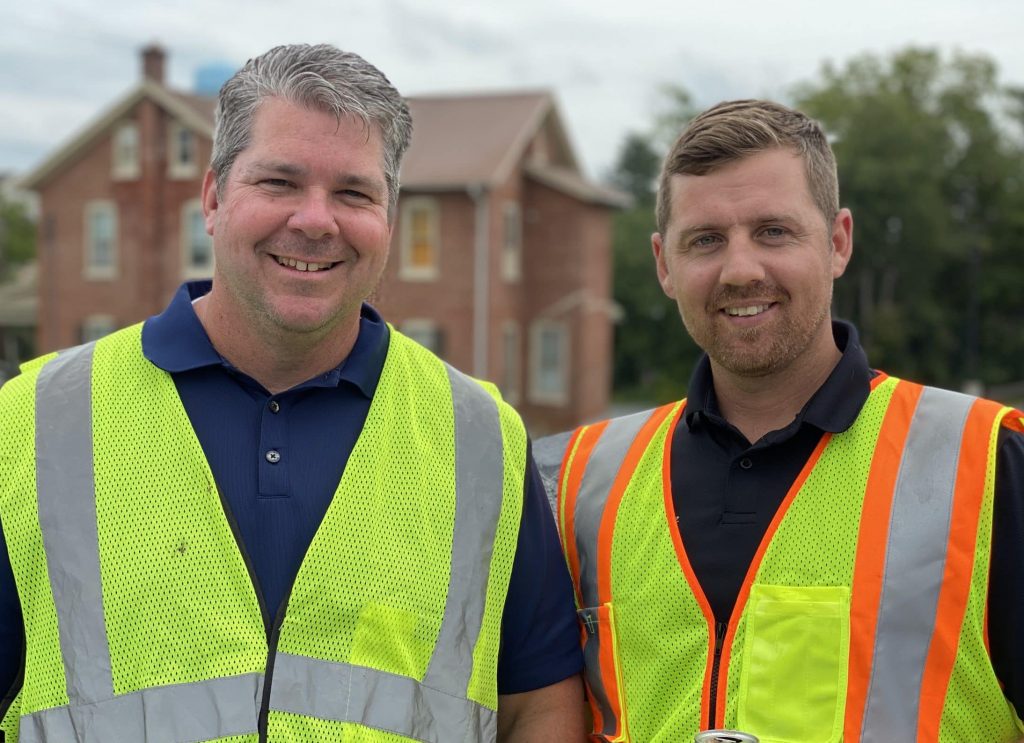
(418, 328)
(511, 242)
(406, 270)
(189, 270)
(125, 155)
(95, 327)
(511, 359)
(539, 393)
(176, 167)
(92, 270)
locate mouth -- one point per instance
(304, 266)
(750, 310)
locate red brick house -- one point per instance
(501, 256)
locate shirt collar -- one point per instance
(834, 407)
(176, 341)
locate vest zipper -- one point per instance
(271, 630)
(268, 674)
(720, 629)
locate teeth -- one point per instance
(756, 309)
(302, 265)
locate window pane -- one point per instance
(421, 254)
(200, 244)
(101, 237)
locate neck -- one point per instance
(759, 405)
(276, 358)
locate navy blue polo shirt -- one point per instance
(726, 491)
(277, 460)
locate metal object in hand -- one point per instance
(724, 736)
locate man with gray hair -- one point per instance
(802, 549)
(264, 514)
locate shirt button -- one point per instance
(273, 456)
(745, 463)
(274, 406)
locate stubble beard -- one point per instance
(760, 351)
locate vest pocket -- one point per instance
(602, 672)
(394, 640)
(795, 662)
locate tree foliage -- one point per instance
(932, 167)
(653, 354)
(17, 237)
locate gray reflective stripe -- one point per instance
(548, 453)
(184, 713)
(914, 563)
(67, 518)
(479, 487)
(605, 461)
(376, 699)
(604, 464)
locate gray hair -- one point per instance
(320, 77)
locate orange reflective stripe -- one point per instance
(1014, 420)
(982, 425)
(573, 466)
(618, 489)
(748, 580)
(869, 562)
(609, 669)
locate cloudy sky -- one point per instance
(63, 61)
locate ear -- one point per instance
(842, 242)
(210, 200)
(661, 264)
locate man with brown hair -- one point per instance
(801, 548)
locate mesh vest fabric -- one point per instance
(179, 606)
(662, 632)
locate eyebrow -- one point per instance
(759, 220)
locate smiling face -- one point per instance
(750, 261)
(300, 228)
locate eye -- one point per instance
(774, 232)
(351, 193)
(276, 183)
(704, 241)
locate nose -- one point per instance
(314, 216)
(742, 263)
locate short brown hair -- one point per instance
(733, 130)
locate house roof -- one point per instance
(574, 184)
(458, 141)
(464, 140)
(186, 108)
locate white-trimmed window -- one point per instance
(196, 244)
(512, 242)
(549, 362)
(420, 250)
(100, 240)
(182, 151)
(511, 352)
(125, 152)
(95, 327)
(425, 332)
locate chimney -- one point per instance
(153, 63)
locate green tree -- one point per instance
(17, 237)
(934, 181)
(653, 354)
